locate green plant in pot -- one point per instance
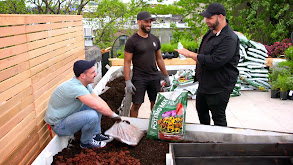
(290, 85)
(284, 86)
(164, 47)
(282, 71)
(275, 90)
(168, 50)
(190, 44)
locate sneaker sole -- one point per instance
(95, 147)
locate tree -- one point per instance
(265, 21)
(165, 9)
(13, 7)
(111, 16)
(58, 6)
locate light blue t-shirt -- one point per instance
(64, 100)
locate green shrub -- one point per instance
(275, 85)
(120, 52)
(290, 83)
(167, 47)
(282, 82)
(282, 71)
(189, 44)
(287, 64)
(289, 53)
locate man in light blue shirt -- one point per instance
(74, 106)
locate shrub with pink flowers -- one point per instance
(278, 48)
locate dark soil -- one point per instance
(147, 151)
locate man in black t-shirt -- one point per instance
(216, 66)
(143, 50)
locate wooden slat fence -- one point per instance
(37, 53)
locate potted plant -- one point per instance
(165, 47)
(284, 87)
(290, 86)
(190, 45)
(275, 90)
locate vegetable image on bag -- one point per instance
(167, 121)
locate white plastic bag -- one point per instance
(125, 132)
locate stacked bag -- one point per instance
(252, 72)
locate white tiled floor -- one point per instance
(253, 109)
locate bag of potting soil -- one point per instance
(125, 132)
(167, 120)
(183, 77)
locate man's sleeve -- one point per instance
(80, 91)
(223, 53)
(129, 46)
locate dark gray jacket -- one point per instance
(218, 64)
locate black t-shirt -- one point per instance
(144, 55)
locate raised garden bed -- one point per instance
(146, 152)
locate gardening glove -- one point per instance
(167, 80)
(116, 118)
(129, 87)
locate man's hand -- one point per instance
(187, 53)
(167, 80)
(116, 118)
(129, 87)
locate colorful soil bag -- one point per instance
(167, 120)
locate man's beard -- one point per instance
(144, 29)
(214, 26)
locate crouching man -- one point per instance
(74, 106)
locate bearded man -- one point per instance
(216, 66)
(143, 50)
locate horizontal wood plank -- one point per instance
(10, 72)
(12, 61)
(13, 139)
(5, 85)
(51, 33)
(40, 77)
(13, 40)
(41, 112)
(12, 30)
(13, 50)
(26, 103)
(6, 106)
(54, 53)
(18, 19)
(14, 116)
(53, 40)
(48, 63)
(42, 27)
(6, 95)
(52, 47)
(28, 145)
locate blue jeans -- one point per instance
(86, 119)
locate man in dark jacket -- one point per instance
(216, 68)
